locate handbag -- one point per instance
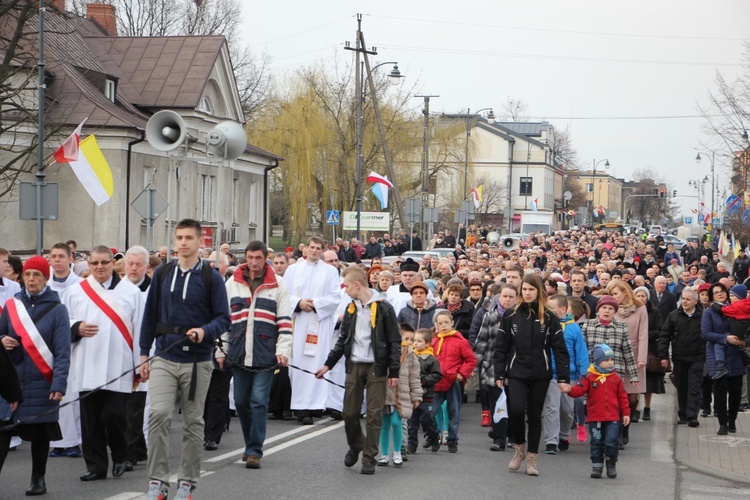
(653, 364)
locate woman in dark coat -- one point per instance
(654, 380)
(35, 331)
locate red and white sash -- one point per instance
(30, 337)
(109, 307)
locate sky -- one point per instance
(604, 69)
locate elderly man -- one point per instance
(682, 329)
(399, 295)
(662, 299)
(163, 254)
(106, 314)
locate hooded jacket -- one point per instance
(418, 319)
(605, 400)
(455, 356)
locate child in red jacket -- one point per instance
(457, 362)
(607, 399)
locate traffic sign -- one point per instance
(734, 203)
(332, 217)
(688, 220)
(149, 208)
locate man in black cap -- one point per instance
(399, 295)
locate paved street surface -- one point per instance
(307, 462)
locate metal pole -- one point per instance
(360, 126)
(713, 190)
(466, 153)
(40, 160)
(149, 210)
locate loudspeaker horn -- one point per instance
(227, 140)
(166, 130)
(509, 243)
(493, 238)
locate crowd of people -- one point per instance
(561, 336)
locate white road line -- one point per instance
(268, 441)
(661, 451)
(723, 490)
(132, 495)
(301, 439)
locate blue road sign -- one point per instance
(733, 204)
(332, 217)
(688, 220)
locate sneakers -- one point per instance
(596, 472)
(453, 447)
(564, 445)
(498, 445)
(253, 462)
(582, 434)
(384, 461)
(156, 491)
(550, 450)
(721, 371)
(184, 491)
(485, 418)
(397, 460)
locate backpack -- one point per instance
(206, 270)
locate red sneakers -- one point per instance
(486, 415)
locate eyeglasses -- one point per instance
(96, 263)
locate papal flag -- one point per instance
(476, 195)
(92, 170)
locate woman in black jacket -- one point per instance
(523, 348)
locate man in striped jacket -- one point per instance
(260, 338)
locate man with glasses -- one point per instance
(105, 312)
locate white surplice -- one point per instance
(338, 372)
(313, 331)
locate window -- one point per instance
(206, 105)
(110, 90)
(526, 184)
(589, 187)
(207, 182)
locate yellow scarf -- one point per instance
(373, 311)
(441, 336)
(601, 377)
(428, 350)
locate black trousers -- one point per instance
(137, 448)
(727, 388)
(281, 393)
(526, 401)
(688, 378)
(103, 421)
(706, 388)
(39, 453)
(217, 405)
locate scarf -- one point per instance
(605, 323)
(601, 375)
(352, 309)
(625, 311)
(453, 308)
(426, 351)
(442, 336)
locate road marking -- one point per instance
(132, 495)
(284, 435)
(723, 490)
(301, 439)
(660, 449)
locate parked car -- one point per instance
(674, 240)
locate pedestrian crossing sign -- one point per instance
(332, 217)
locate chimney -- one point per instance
(57, 4)
(104, 15)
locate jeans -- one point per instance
(252, 391)
(423, 414)
(604, 441)
(454, 397)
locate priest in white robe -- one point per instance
(315, 294)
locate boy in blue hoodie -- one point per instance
(557, 415)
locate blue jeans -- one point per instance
(454, 398)
(251, 393)
(604, 442)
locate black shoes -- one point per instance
(351, 458)
(118, 469)
(732, 427)
(128, 466)
(693, 422)
(453, 447)
(564, 445)
(721, 371)
(551, 449)
(498, 445)
(336, 415)
(722, 430)
(706, 412)
(646, 414)
(368, 469)
(93, 476)
(636, 416)
(596, 472)
(307, 420)
(37, 487)
(412, 449)
(211, 445)
(682, 421)
(611, 469)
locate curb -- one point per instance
(712, 471)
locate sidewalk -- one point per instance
(701, 449)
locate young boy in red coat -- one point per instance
(457, 362)
(607, 399)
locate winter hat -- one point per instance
(39, 264)
(643, 288)
(601, 353)
(289, 249)
(739, 291)
(431, 284)
(607, 300)
(704, 287)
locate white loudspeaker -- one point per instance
(493, 238)
(166, 130)
(227, 140)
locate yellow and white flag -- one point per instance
(92, 170)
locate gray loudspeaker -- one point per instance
(166, 130)
(509, 243)
(227, 140)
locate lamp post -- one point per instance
(469, 118)
(713, 179)
(593, 185)
(395, 74)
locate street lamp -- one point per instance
(469, 118)
(713, 179)
(394, 75)
(593, 183)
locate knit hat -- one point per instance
(605, 300)
(704, 287)
(739, 291)
(37, 263)
(289, 249)
(601, 353)
(644, 289)
(421, 285)
(431, 284)
(410, 265)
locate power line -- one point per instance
(573, 32)
(666, 117)
(302, 32)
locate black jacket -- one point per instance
(347, 254)
(667, 304)
(429, 374)
(416, 245)
(684, 333)
(373, 250)
(386, 341)
(462, 318)
(740, 269)
(590, 301)
(523, 346)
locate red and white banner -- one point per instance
(109, 307)
(30, 337)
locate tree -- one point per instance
(563, 150)
(514, 110)
(648, 207)
(494, 196)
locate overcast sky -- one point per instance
(596, 66)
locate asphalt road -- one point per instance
(307, 462)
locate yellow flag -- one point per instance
(93, 171)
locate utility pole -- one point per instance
(425, 161)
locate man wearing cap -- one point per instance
(741, 266)
(661, 298)
(419, 310)
(682, 329)
(105, 314)
(399, 295)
